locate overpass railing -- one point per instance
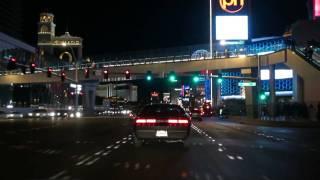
(189, 53)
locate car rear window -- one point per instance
(162, 110)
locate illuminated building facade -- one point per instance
(65, 47)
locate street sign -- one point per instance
(247, 84)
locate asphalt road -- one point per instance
(99, 148)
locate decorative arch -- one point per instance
(70, 59)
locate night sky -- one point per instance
(127, 25)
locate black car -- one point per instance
(160, 122)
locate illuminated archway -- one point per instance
(66, 53)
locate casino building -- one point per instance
(66, 48)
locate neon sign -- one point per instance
(233, 6)
(316, 8)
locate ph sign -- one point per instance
(232, 6)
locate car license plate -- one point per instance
(162, 133)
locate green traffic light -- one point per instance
(196, 79)
(149, 78)
(220, 80)
(263, 97)
(172, 78)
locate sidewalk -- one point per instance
(275, 123)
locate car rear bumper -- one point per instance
(173, 134)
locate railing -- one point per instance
(186, 56)
(311, 60)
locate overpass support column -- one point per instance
(89, 98)
(272, 83)
(216, 93)
(251, 101)
(250, 95)
(297, 88)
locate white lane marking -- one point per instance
(98, 153)
(116, 147)
(220, 177)
(213, 140)
(129, 139)
(136, 166)
(92, 162)
(83, 161)
(58, 174)
(265, 178)
(124, 138)
(230, 157)
(123, 142)
(220, 150)
(220, 144)
(118, 142)
(240, 158)
(109, 147)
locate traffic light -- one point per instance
(63, 75)
(49, 72)
(32, 68)
(149, 76)
(105, 74)
(86, 73)
(220, 79)
(262, 96)
(127, 74)
(195, 78)
(172, 77)
(12, 64)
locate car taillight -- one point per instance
(145, 121)
(178, 121)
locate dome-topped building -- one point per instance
(61, 47)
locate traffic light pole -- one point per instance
(259, 86)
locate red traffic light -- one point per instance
(86, 73)
(32, 68)
(63, 76)
(49, 72)
(127, 73)
(13, 59)
(105, 74)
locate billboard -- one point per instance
(231, 27)
(231, 19)
(231, 7)
(316, 8)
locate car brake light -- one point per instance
(178, 121)
(143, 121)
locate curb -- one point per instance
(276, 123)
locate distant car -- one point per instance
(61, 113)
(207, 110)
(196, 113)
(14, 115)
(161, 122)
(39, 113)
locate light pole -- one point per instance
(211, 38)
(259, 85)
(76, 77)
